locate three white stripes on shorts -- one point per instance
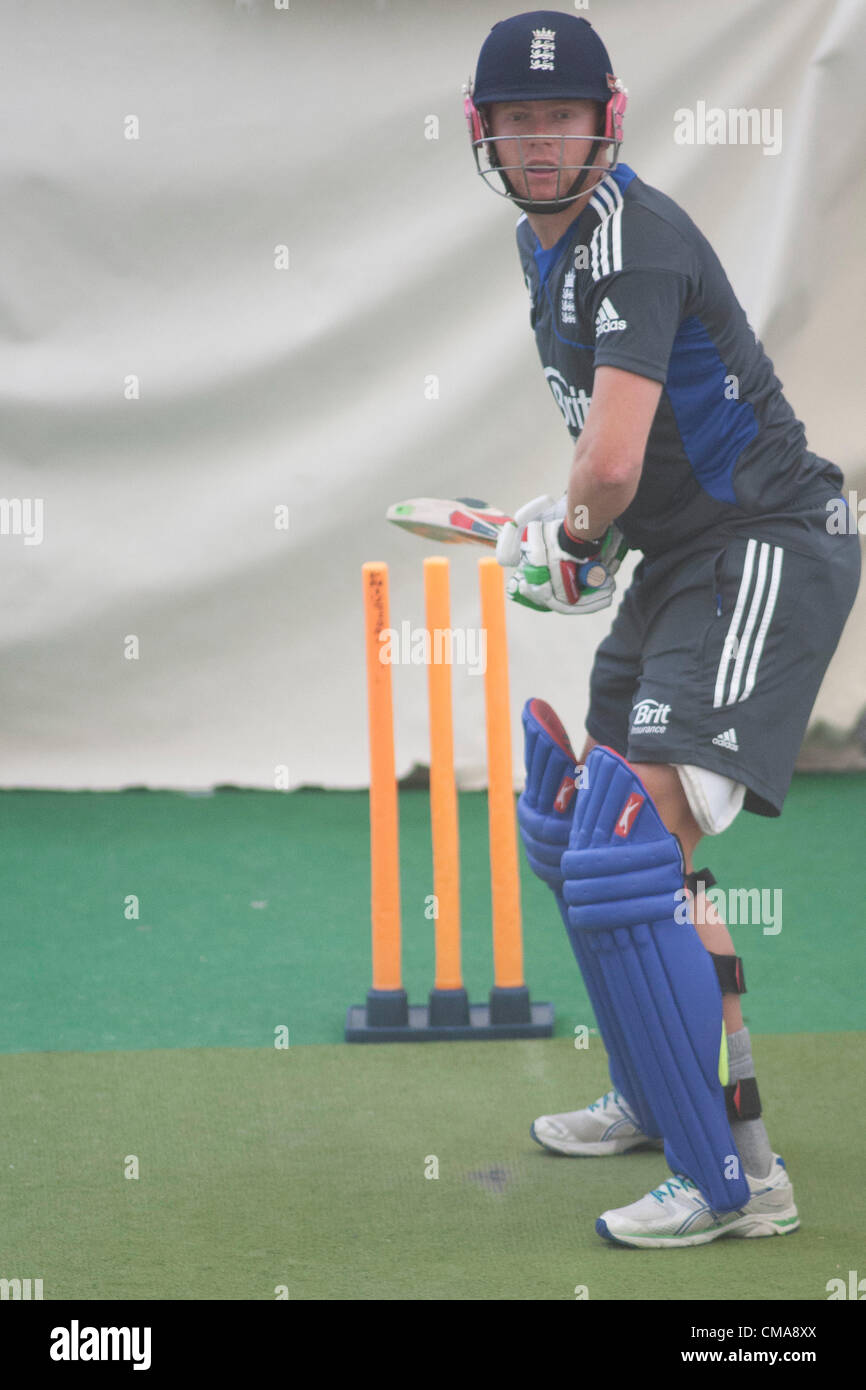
(747, 645)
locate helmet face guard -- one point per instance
(570, 177)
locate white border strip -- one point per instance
(754, 610)
(731, 638)
(778, 556)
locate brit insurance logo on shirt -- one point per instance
(607, 320)
(574, 404)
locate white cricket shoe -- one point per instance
(676, 1214)
(607, 1127)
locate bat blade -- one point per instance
(461, 520)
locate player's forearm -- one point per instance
(599, 490)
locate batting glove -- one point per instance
(557, 575)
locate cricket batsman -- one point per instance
(686, 450)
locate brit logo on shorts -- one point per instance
(650, 717)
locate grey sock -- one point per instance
(750, 1136)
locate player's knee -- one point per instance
(662, 781)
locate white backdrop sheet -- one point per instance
(154, 260)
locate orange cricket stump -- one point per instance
(387, 1016)
(509, 998)
(387, 1004)
(449, 1002)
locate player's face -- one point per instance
(541, 164)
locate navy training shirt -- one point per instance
(634, 284)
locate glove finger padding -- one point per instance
(556, 511)
(508, 544)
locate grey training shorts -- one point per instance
(718, 650)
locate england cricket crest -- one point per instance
(542, 50)
(567, 311)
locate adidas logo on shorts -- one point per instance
(728, 740)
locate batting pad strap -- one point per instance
(742, 1101)
(732, 979)
(699, 880)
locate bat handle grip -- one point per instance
(592, 574)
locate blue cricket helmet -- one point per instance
(544, 55)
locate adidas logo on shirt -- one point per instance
(728, 740)
(607, 320)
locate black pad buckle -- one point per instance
(742, 1101)
(732, 978)
(700, 879)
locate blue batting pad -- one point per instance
(545, 812)
(614, 869)
(620, 875)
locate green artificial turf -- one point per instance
(253, 913)
(304, 1169)
(157, 945)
